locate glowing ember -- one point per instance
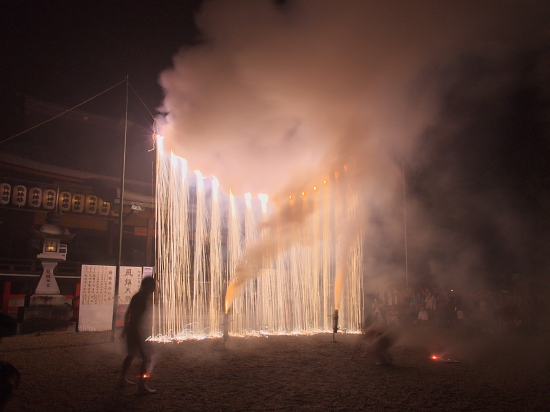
(443, 360)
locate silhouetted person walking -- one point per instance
(381, 339)
(137, 326)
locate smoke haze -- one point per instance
(278, 97)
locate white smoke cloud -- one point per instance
(278, 98)
(275, 94)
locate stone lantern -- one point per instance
(53, 252)
(47, 310)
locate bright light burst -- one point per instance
(203, 237)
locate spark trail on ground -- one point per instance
(275, 269)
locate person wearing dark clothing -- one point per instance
(381, 338)
(137, 326)
(9, 381)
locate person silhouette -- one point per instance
(381, 339)
(9, 381)
(137, 325)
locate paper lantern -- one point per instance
(78, 203)
(5, 193)
(65, 201)
(91, 204)
(35, 197)
(104, 208)
(48, 199)
(19, 195)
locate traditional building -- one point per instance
(82, 184)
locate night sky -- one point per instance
(65, 52)
(456, 94)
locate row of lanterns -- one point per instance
(47, 198)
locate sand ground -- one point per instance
(79, 371)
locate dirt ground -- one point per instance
(79, 371)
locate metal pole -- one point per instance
(156, 317)
(334, 325)
(405, 227)
(121, 214)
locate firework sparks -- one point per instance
(275, 270)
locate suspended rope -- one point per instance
(150, 114)
(142, 102)
(61, 114)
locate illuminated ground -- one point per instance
(78, 371)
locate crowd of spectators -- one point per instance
(487, 311)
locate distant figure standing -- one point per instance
(137, 325)
(423, 315)
(392, 317)
(377, 310)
